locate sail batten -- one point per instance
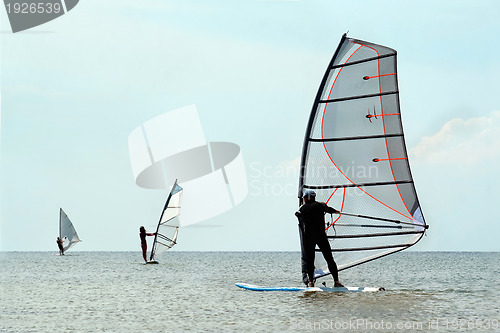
(324, 187)
(343, 99)
(376, 235)
(380, 136)
(372, 226)
(354, 156)
(361, 61)
(368, 248)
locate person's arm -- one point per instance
(301, 221)
(330, 210)
(150, 234)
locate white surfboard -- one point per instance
(327, 289)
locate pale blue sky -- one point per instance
(73, 89)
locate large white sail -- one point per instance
(354, 157)
(67, 231)
(168, 225)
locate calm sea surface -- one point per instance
(195, 292)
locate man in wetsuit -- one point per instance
(144, 243)
(60, 246)
(311, 217)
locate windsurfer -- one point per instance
(60, 245)
(311, 217)
(144, 244)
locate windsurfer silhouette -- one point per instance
(311, 217)
(60, 245)
(144, 244)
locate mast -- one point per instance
(60, 221)
(311, 119)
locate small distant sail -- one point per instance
(168, 226)
(67, 231)
(354, 157)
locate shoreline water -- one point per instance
(89, 291)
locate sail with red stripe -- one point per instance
(354, 157)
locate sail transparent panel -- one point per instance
(66, 231)
(168, 226)
(355, 158)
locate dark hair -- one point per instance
(141, 229)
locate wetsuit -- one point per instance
(60, 246)
(144, 243)
(312, 224)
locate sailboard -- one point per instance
(67, 231)
(354, 157)
(306, 289)
(167, 228)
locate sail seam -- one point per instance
(341, 207)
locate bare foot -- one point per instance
(338, 284)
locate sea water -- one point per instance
(195, 292)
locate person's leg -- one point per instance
(310, 246)
(303, 259)
(144, 250)
(326, 250)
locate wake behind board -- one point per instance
(327, 289)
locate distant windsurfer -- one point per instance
(311, 217)
(60, 246)
(144, 244)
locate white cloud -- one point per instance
(462, 142)
(457, 180)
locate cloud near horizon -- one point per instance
(462, 142)
(458, 183)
